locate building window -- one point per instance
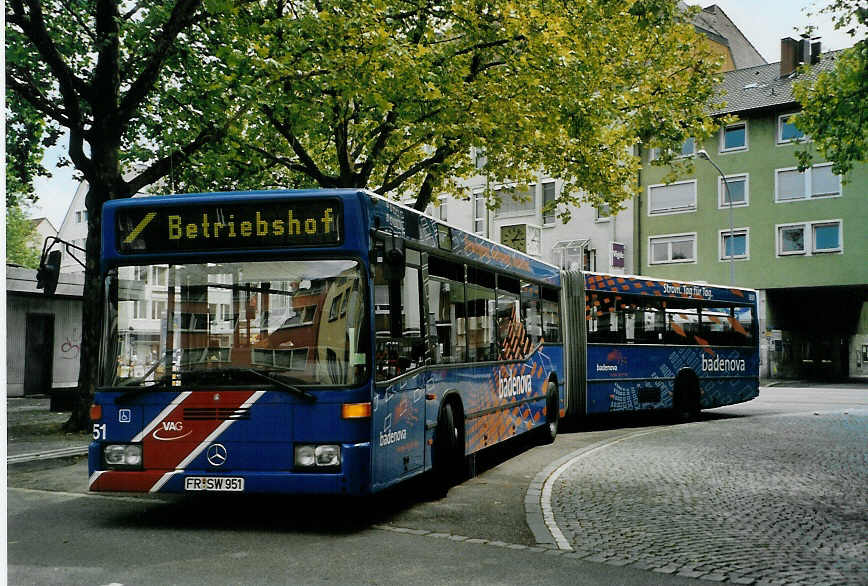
(787, 131)
(603, 213)
(443, 208)
(140, 309)
(161, 276)
(736, 187)
(479, 210)
(673, 248)
(479, 158)
(825, 236)
(158, 309)
(734, 138)
(734, 245)
(688, 147)
(549, 213)
(816, 181)
(672, 198)
(514, 201)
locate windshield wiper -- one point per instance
(283, 384)
(263, 374)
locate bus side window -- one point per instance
(447, 321)
(510, 332)
(397, 355)
(650, 322)
(531, 312)
(551, 316)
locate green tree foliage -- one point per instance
(26, 139)
(396, 95)
(835, 102)
(139, 91)
(22, 247)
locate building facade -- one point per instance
(800, 238)
(43, 334)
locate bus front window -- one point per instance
(229, 323)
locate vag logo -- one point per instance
(512, 386)
(169, 431)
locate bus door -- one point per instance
(398, 410)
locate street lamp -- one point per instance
(703, 154)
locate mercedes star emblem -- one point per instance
(216, 454)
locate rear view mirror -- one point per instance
(49, 272)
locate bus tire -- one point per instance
(448, 453)
(685, 397)
(553, 414)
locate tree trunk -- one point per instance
(91, 314)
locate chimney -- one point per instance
(789, 55)
(815, 53)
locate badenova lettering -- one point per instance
(607, 368)
(391, 437)
(723, 364)
(206, 227)
(512, 386)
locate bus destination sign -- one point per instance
(228, 226)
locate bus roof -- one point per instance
(139, 229)
(653, 286)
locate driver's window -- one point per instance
(397, 355)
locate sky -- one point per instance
(763, 22)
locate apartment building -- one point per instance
(749, 217)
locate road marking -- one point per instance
(547, 478)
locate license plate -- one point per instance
(214, 483)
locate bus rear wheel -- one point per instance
(685, 398)
(553, 414)
(448, 456)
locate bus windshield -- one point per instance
(201, 325)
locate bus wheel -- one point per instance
(685, 398)
(553, 414)
(448, 447)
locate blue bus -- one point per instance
(648, 344)
(327, 341)
(336, 342)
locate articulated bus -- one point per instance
(336, 342)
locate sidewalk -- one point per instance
(35, 433)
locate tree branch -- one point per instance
(437, 158)
(34, 29)
(182, 15)
(306, 163)
(384, 132)
(162, 167)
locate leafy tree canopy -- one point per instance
(139, 89)
(835, 104)
(26, 139)
(22, 247)
(396, 95)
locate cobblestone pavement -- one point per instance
(766, 500)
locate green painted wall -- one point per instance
(763, 269)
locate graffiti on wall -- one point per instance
(71, 347)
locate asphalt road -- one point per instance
(525, 517)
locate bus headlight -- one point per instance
(317, 456)
(122, 455)
(328, 455)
